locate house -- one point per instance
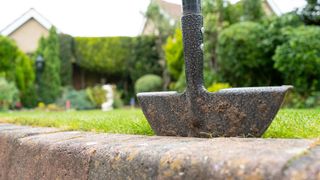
(27, 30)
(171, 10)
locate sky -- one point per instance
(93, 17)
(82, 17)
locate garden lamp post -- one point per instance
(39, 67)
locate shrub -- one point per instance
(97, 95)
(117, 101)
(78, 99)
(298, 59)
(174, 54)
(296, 100)
(242, 58)
(181, 84)
(9, 94)
(148, 83)
(218, 86)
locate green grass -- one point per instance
(130, 121)
(295, 123)
(289, 123)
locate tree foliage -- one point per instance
(252, 10)
(50, 84)
(17, 67)
(118, 56)
(299, 59)
(145, 58)
(8, 55)
(241, 54)
(174, 54)
(311, 13)
(218, 15)
(107, 55)
(67, 58)
(163, 29)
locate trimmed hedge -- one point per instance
(145, 59)
(108, 55)
(118, 56)
(148, 83)
(66, 57)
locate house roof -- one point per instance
(280, 7)
(31, 13)
(172, 9)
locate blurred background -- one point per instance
(60, 54)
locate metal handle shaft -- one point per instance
(192, 22)
(191, 6)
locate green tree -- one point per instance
(50, 84)
(25, 80)
(311, 13)
(218, 15)
(174, 54)
(17, 67)
(8, 55)
(163, 29)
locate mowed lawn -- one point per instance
(289, 123)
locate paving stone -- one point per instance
(306, 165)
(48, 153)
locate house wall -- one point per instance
(267, 9)
(149, 28)
(28, 35)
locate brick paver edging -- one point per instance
(48, 153)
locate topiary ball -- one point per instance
(148, 83)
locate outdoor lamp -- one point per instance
(39, 63)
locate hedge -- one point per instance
(108, 55)
(241, 55)
(118, 56)
(299, 59)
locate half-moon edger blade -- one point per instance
(245, 112)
